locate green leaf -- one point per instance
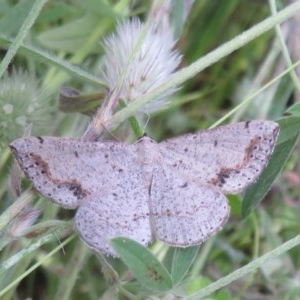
(99, 7)
(294, 110)
(182, 261)
(12, 19)
(47, 58)
(70, 36)
(289, 131)
(143, 264)
(289, 128)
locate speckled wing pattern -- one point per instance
(229, 157)
(187, 201)
(103, 180)
(185, 212)
(172, 191)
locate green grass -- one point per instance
(233, 69)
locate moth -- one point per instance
(171, 191)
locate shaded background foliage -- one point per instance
(71, 31)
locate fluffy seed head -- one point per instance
(22, 103)
(151, 65)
